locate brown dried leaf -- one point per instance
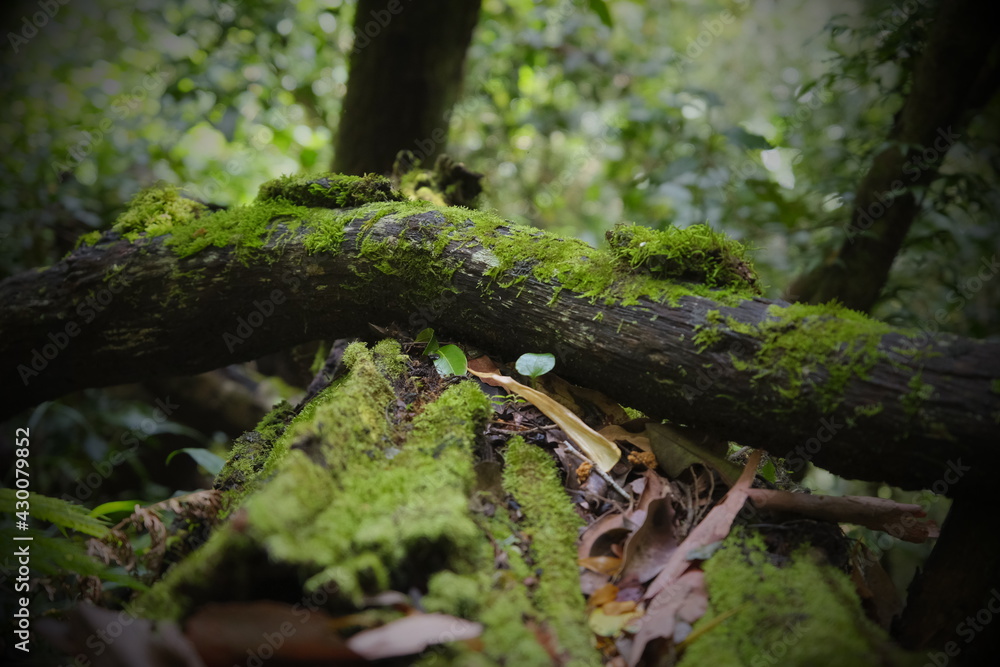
(138, 641)
(671, 614)
(713, 528)
(603, 452)
(601, 564)
(616, 432)
(224, 632)
(412, 634)
(649, 547)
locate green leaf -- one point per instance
(58, 555)
(768, 471)
(600, 7)
(206, 459)
(451, 360)
(747, 140)
(427, 336)
(56, 511)
(115, 507)
(533, 365)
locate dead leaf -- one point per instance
(603, 595)
(137, 641)
(616, 432)
(412, 634)
(677, 449)
(613, 619)
(224, 632)
(587, 403)
(671, 614)
(601, 564)
(648, 548)
(484, 364)
(713, 528)
(879, 597)
(602, 451)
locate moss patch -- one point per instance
(642, 263)
(802, 613)
(157, 211)
(530, 475)
(330, 190)
(799, 341)
(693, 254)
(346, 497)
(247, 229)
(249, 453)
(373, 513)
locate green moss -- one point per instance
(353, 500)
(162, 211)
(706, 336)
(249, 454)
(801, 340)
(793, 615)
(330, 190)
(157, 211)
(418, 262)
(869, 410)
(297, 207)
(530, 475)
(389, 358)
(245, 228)
(88, 239)
(378, 507)
(694, 254)
(191, 580)
(516, 253)
(995, 386)
(919, 393)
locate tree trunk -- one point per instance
(194, 293)
(956, 73)
(406, 73)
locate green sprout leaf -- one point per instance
(451, 360)
(427, 336)
(533, 365)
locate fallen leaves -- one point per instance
(602, 452)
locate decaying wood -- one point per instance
(125, 311)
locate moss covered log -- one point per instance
(669, 323)
(353, 498)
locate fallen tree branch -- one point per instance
(809, 383)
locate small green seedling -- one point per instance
(451, 360)
(534, 365)
(427, 336)
(448, 359)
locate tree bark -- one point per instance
(406, 72)
(954, 74)
(921, 414)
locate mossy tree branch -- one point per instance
(198, 292)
